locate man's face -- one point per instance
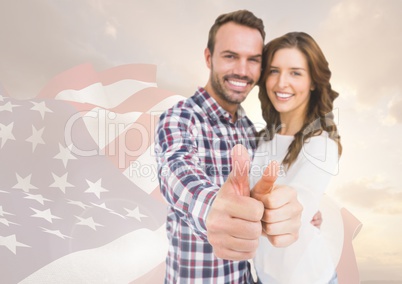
(235, 64)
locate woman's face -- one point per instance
(289, 82)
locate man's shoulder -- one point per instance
(186, 114)
(186, 107)
(184, 104)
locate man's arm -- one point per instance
(227, 217)
(183, 183)
(317, 220)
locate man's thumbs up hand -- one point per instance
(238, 178)
(234, 219)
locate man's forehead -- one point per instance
(232, 27)
(232, 36)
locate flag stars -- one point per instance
(56, 233)
(3, 213)
(65, 154)
(6, 133)
(78, 203)
(41, 108)
(37, 197)
(24, 183)
(7, 223)
(45, 214)
(61, 182)
(96, 187)
(36, 137)
(8, 107)
(103, 206)
(11, 243)
(89, 222)
(135, 213)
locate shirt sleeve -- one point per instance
(317, 163)
(183, 181)
(309, 259)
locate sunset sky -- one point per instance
(361, 40)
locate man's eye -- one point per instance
(257, 60)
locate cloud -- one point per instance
(362, 43)
(41, 40)
(111, 30)
(376, 268)
(381, 282)
(44, 38)
(371, 194)
(395, 109)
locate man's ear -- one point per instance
(208, 57)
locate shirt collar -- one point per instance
(213, 109)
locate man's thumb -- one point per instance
(240, 170)
(266, 183)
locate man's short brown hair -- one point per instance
(241, 17)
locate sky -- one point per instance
(360, 39)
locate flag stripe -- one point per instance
(67, 193)
(84, 75)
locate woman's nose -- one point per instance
(282, 80)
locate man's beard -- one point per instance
(217, 86)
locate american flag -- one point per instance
(79, 195)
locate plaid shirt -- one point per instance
(193, 143)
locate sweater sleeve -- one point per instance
(311, 174)
(309, 259)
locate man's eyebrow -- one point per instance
(235, 53)
(292, 68)
(256, 56)
(229, 51)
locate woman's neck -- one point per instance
(290, 125)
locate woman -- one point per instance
(297, 102)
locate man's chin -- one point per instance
(236, 98)
(232, 96)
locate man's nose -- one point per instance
(241, 68)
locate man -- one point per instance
(213, 224)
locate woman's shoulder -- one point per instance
(320, 143)
(278, 144)
(322, 152)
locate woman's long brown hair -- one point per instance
(319, 114)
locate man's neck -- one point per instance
(231, 108)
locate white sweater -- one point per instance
(309, 259)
